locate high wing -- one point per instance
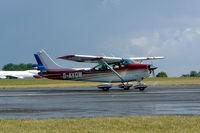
(97, 59)
(90, 59)
(140, 59)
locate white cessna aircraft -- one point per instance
(109, 69)
(28, 74)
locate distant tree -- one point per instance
(161, 74)
(9, 66)
(185, 75)
(193, 74)
(15, 67)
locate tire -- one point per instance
(105, 89)
(141, 89)
(126, 88)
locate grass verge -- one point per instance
(144, 124)
(46, 83)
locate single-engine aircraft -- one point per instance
(109, 69)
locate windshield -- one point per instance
(100, 67)
(124, 62)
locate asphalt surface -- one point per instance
(42, 103)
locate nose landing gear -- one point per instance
(140, 86)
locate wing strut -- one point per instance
(122, 80)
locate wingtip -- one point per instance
(65, 57)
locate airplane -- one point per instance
(109, 69)
(28, 74)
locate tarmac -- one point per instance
(42, 103)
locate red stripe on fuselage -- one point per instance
(138, 66)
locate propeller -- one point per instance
(152, 70)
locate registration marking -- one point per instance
(72, 75)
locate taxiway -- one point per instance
(42, 103)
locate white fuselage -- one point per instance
(18, 74)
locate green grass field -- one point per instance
(144, 124)
(36, 83)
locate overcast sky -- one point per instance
(124, 28)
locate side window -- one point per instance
(114, 66)
(111, 65)
(100, 67)
(122, 65)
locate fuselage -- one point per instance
(19, 74)
(101, 73)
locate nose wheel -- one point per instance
(140, 86)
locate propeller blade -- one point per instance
(152, 70)
(153, 73)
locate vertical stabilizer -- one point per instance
(39, 66)
(44, 59)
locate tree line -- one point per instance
(17, 67)
(192, 74)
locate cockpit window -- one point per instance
(100, 67)
(123, 63)
(114, 66)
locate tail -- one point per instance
(46, 63)
(39, 66)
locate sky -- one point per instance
(121, 28)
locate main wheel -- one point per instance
(105, 89)
(126, 87)
(141, 89)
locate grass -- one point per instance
(42, 83)
(137, 124)
(46, 83)
(173, 81)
